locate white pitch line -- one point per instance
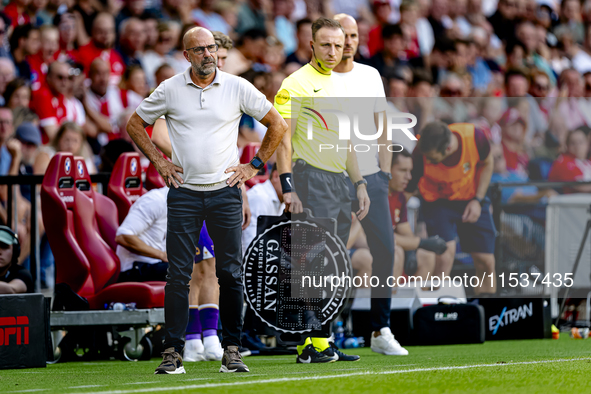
(191, 380)
(322, 377)
(87, 386)
(27, 391)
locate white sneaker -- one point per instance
(194, 351)
(213, 348)
(386, 344)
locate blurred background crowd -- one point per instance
(519, 69)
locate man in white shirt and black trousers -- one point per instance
(203, 107)
(365, 82)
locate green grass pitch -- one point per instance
(532, 366)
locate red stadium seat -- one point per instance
(84, 261)
(125, 185)
(256, 180)
(104, 208)
(153, 178)
(249, 151)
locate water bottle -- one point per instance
(350, 343)
(353, 342)
(339, 334)
(120, 306)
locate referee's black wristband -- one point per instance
(286, 185)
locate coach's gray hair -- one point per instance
(325, 22)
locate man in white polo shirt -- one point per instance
(365, 83)
(202, 107)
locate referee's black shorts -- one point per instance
(325, 193)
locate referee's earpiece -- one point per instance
(315, 58)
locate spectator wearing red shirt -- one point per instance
(106, 103)
(573, 165)
(40, 61)
(49, 102)
(513, 128)
(134, 83)
(101, 46)
(16, 10)
(66, 25)
(381, 11)
(409, 12)
(413, 255)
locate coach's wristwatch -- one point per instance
(257, 163)
(359, 183)
(480, 200)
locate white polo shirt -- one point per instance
(263, 200)
(203, 123)
(364, 82)
(147, 220)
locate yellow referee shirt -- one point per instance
(302, 98)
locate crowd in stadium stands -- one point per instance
(73, 71)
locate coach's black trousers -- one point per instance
(187, 209)
(380, 239)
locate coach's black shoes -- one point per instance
(310, 356)
(232, 361)
(334, 350)
(172, 363)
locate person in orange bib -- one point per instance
(452, 169)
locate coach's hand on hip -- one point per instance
(242, 173)
(169, 172)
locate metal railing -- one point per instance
(102, 180)
(521, 230)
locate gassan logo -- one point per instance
(68, 166)
(509, 316)
(14, 330)
(272, 273)
(345, 125)
(133, 166)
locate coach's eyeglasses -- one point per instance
(201, 50)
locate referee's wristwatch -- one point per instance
(359, 183)
(480, 200)
(257, 163)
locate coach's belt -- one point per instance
(208, 185)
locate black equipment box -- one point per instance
(446, 324)
(517, 318)
(24, 331)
